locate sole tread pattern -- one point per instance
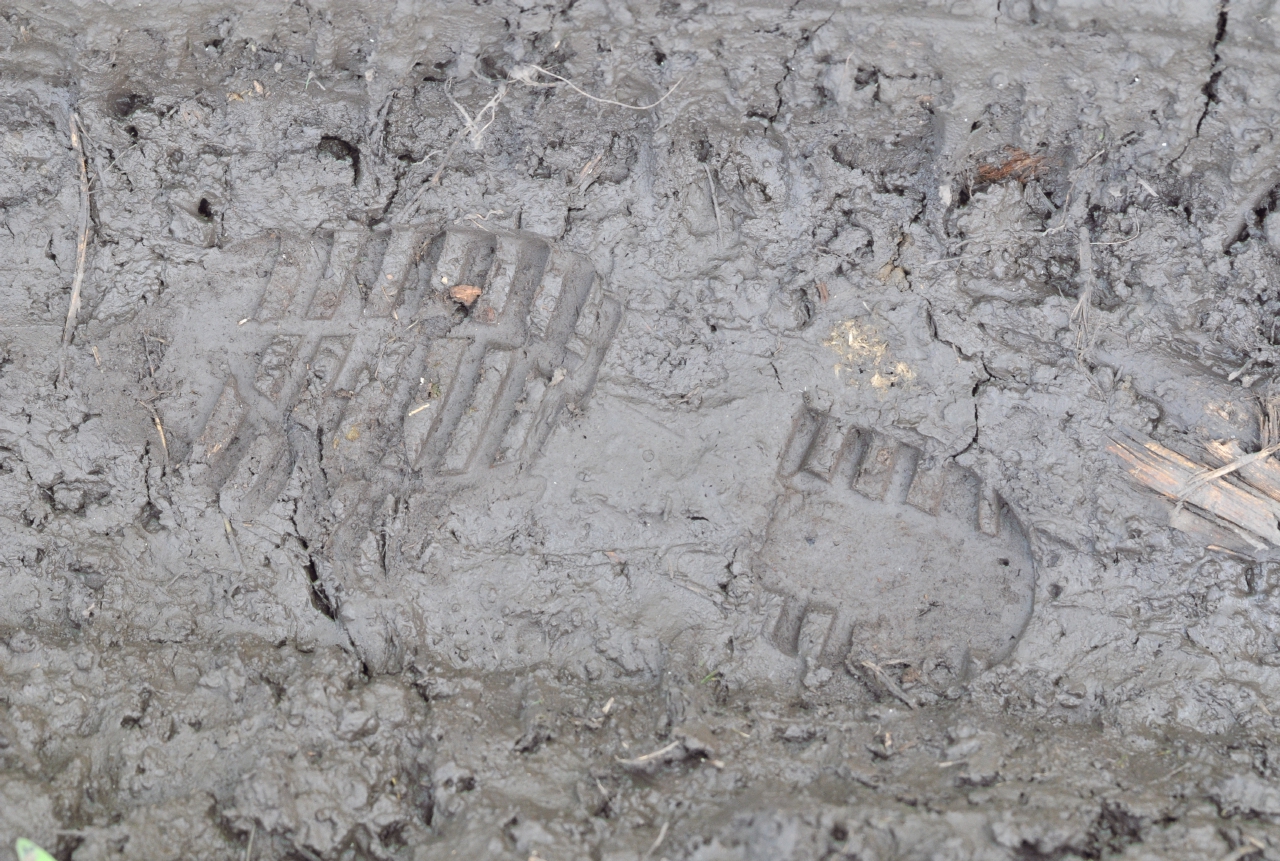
(356, 332)
(879, 553)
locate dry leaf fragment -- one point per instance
(464, 294)
(1018, 164)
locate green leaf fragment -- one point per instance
(28, 851)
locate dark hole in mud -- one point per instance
(277, 689)
(132, 131)
(839, 833)
(1113, 830)
(1221, 32)
(125, 104)
(392, 835)
(204, 210)
(434, 78)
(66, 845)
(341, 150)
(319, 597)
(1055, 590)
(150, 518)
(866, 77)
(493, 66)
(425, 803)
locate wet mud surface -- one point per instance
(444, 463)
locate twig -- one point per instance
(662, 835)
(589, 170)
(1244, 510)
(164, 443)
(649, 757)
(950, 259)
(248, 850)
(527, 75)
(82, 241)
(889, 684)
(115, 160)
(1251, 845)
(1136, 234)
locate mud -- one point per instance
(447, 464)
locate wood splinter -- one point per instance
(1242, 496)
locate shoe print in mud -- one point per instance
(374, 364)
(882, 556)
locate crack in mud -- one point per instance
(1210, 87)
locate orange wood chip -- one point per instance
(464, 294)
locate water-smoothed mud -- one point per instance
(445, 463)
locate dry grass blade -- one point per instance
(471, 125)
(715, 206)
(82, 232)
(1215, 474)
(235, 546)
(1081, 313)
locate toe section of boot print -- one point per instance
(880, 554)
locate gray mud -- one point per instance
(445, 464)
